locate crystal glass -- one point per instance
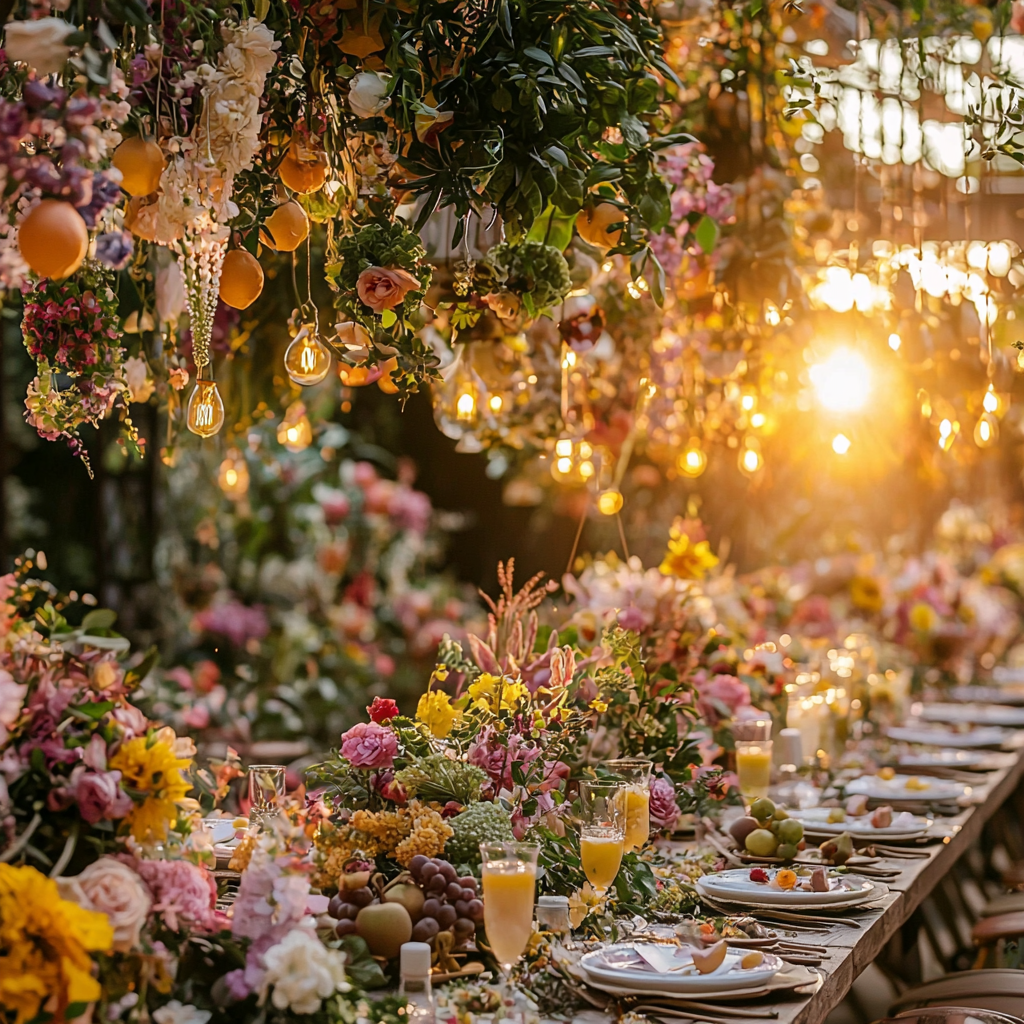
(602, 831)
(266, 788)
(509, 872)
(635, 774)
(749, 730)
(754, 768)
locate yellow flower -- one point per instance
(497, 693)
(684, 558)
(435, 711)
(865, 594)
(45, 944)
(581, 903)
(599, 706)
(923, 617)
(150, 767)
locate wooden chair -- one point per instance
(1001, 990)
(951, 1015)
(1008, 903)
(991, 935)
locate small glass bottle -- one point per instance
(414, 983)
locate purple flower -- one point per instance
(369, 745)
(99, 795)
(664, 809)
(497, 759)
(114, 249)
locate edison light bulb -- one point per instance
(233, 475)
(990, 402)
(750, 458)
(307, 359)
(465, 406)
(692, 461)
(205, 409)
(609, 502)
(986, 430)
(295, 431)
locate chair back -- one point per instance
(998, 989)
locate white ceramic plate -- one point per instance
(869, 892)
(939, 737)
(621, 966)
(988, 694)
(895, 788)
(976, 714)
(735, 884)
(905, 826)
(942, 759)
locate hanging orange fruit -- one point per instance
(286, 228)
(592, 225)
(53, 239)
(241, 279)
(303, 175)
(141, 163)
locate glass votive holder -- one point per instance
(754, 768)
(751, 730)
(266, 789)
(553, 914)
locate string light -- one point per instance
(307, 360)
(986, 430)
(692, 460)
(295, 431)
(205, 409)
(895, 341)
(609, 502)
(233, 475)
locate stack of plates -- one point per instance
(735, 887)
(904, 826)
(647, 968)
(939, 737)
(977, 714)
(906, 789)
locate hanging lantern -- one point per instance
(295, 431)
(205, 409)
(233, 475)
(460, 397)
(307, 360)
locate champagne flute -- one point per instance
(635, 773)
(266, 788)
(602, 832)
(509, 872)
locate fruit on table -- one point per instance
(786, 879)
(762, 809)
(838, 850)
(710, 959)
(916, 784)
(790, 831)
(787, 851)
(753, 959)
(410, 896)
(882, 818)
(819, 880)
(836, 815)
(762, 843)
(887, 773)
(384, 927)
(857, 805)
(742, 827)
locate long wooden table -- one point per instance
(852, 950)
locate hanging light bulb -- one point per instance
(750, 458)
(609, 502)
(460, 397)
(986, 430)
(990, 403)
(295, 431)
(307, 360)
(205, 409)
(692, 460)
(233, 475)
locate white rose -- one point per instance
(39, 43)
(140, 384)
(303, 972)
(176, 1012)
(113, 889)
(367, 94)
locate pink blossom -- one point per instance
(183, 893)
(664, 809)
(132, 721)
(383, 288)
(721, 697)
(410, 509)
(236, 621)
(497, 759)
(196, 717)
(99, 795)
(369, 745)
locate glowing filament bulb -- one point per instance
(609, 502)
(295, 431)
(495, 403)
(986, 430)
(465, 405)
(563, 447)
(692, 461)
(233, 475)
(750, 460)
(307, 360)
(895, 341)
(990, 402)
(205, 409)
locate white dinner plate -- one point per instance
(896, 789)
(966, 759)
(736, 885)
(988, 694)
(621, 966)
(976, 714)
(904, 826)
(869, 892)
(940, 737)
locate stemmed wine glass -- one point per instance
(602, 832)
(635, 775)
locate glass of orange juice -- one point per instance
(509, 872)
(602, 832)
(754, 768)
(635, 775)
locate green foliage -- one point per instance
(438, 777)
(536, 272)
(479, 823)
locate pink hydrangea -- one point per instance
(184, 894)
(369, 745)
(99, 795)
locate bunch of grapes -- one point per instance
(345, 906)
(451, 903)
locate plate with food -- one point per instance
(937, 736)
(796, 887)
(681, 970)
(906, 788)
(976, 714)
(855, 818)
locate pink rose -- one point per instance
(113, 889)
(99, 795)
(664, 809)
(721, 697)
(383, 288)
(369, 745)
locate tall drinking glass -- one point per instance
(602, 832)
(266, 788)
(635, 775)
(754, 768)
(509, 872)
